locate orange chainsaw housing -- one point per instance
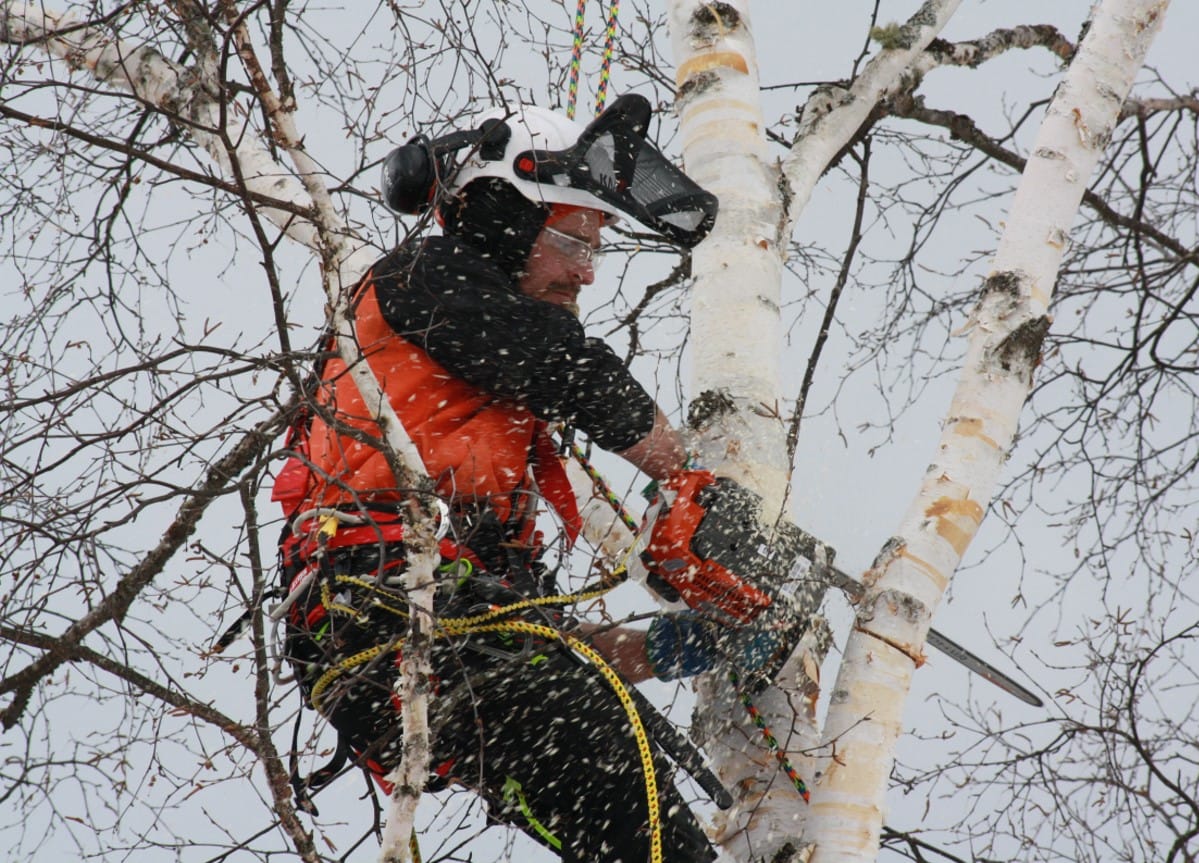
(670, 556)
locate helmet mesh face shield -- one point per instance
(613, 162)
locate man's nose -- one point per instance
(581, 273)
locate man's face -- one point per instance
(560, 261)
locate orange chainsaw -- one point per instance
(709, 548)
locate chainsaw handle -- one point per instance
(672, 558)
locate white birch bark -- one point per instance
(414, 689)
(738, 268)
(834, 114)
(737, 345)
(735, 377)
(1007, 328)
(154, 79)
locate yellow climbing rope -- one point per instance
(490, 621)
(622, 693)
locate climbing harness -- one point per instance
(330, 521)
(336, 591)
(576, 57)
(492, 621)
(446, 627)
(316, 533)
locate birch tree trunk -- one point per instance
(737, 339)
(1007, 328)
(735, 379)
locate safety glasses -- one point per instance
(575, 250)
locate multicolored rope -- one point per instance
(605, 490)
(601, 95)
(576, 57)
(771, 742)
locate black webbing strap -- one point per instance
(318, 778)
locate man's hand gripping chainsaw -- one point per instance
(709, 548)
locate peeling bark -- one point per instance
(1007, 330)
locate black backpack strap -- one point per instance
(318, 778)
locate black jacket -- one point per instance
(468, 315)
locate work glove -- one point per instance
(758, 650)
(681, 644)
(685, 643)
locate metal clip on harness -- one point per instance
(330, 520)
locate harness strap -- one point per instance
(382, 527)
(553, 482)
(319, 777)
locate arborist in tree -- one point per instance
(475, 338)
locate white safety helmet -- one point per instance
(532, 129)
(606, 165)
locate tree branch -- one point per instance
(219, 481)
(963, 128)
(834, 113)
(973, 53)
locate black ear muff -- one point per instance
(411, 172)
(409, 175)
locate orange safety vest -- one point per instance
(475, 445)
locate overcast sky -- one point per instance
(852, 486)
